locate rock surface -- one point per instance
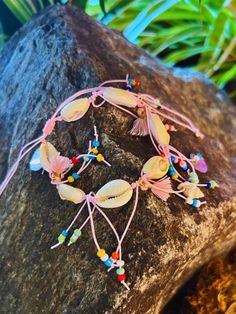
(57, 53)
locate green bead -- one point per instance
(120, 271)
(213, 184)
(61, 238)
(86, 158)
(77, 232)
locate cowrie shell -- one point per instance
(75, 109)
(120, 97)
(69, 193)
(190, 190)
(114, 194)
(158, 129)
(156, 167)
(46, 151)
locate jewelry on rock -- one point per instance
(155, 175)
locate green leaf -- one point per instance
(143, 21)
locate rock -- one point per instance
(54, 55)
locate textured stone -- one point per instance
(57, 53)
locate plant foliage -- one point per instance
(196, 33)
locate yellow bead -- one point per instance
(101, 252)
(94, 150)
(99, 157)
(175, 176)
(70, 179)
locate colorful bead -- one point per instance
(86, 158)
(173, 159)
(94, 150)
(75, 175)
(120, 271)
(213, 184)
(193, 178)
(120, 263)
(92, 156)
(101, 252)
(193, 202)
(122, 277)
(137, 83)
(208, 185)
(129, 88)
(99, 157)
(70, 179)
(114, 255)
(76, 234)
(104, 257)
(75, 160)
(108, 262)
(96, 143)
(62, 236)
(175, 176)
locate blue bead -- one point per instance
(171, 173)
(173, 158)
(199, 155)
(185, 168)
(195, 202)
(92, 156)
(208, 185)
(129, 88)
(64, 233)
(75, 176)
(171, 168)
(108, 262)
(96, 143)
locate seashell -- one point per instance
(158, 129)
(35, 164)
(69, 193)
(114, 194)
(120, 97)
(75, 110)
(190, 190)
(47, 151)
(156, 167)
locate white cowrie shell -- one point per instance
(69, 193)
(120, 97)
(46, 151)
(114, 194)
(156, 167)
(75, 109)
(158, 129)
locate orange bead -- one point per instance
(115, 255)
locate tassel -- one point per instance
(140, 127)
(162, 189)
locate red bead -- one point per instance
(162, 155)
(136, 82)
(75, 160)
(122, 277)
(115, 255)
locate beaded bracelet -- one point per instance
(155, 174)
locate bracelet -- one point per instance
(155, 175)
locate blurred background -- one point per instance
(197, 34)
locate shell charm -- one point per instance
(75, 110)
(120, 97)
(35, 164)
(158, 129)
(46, 152)
(190, 190)
(69, 193)
(156, 167)
(114, 194)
